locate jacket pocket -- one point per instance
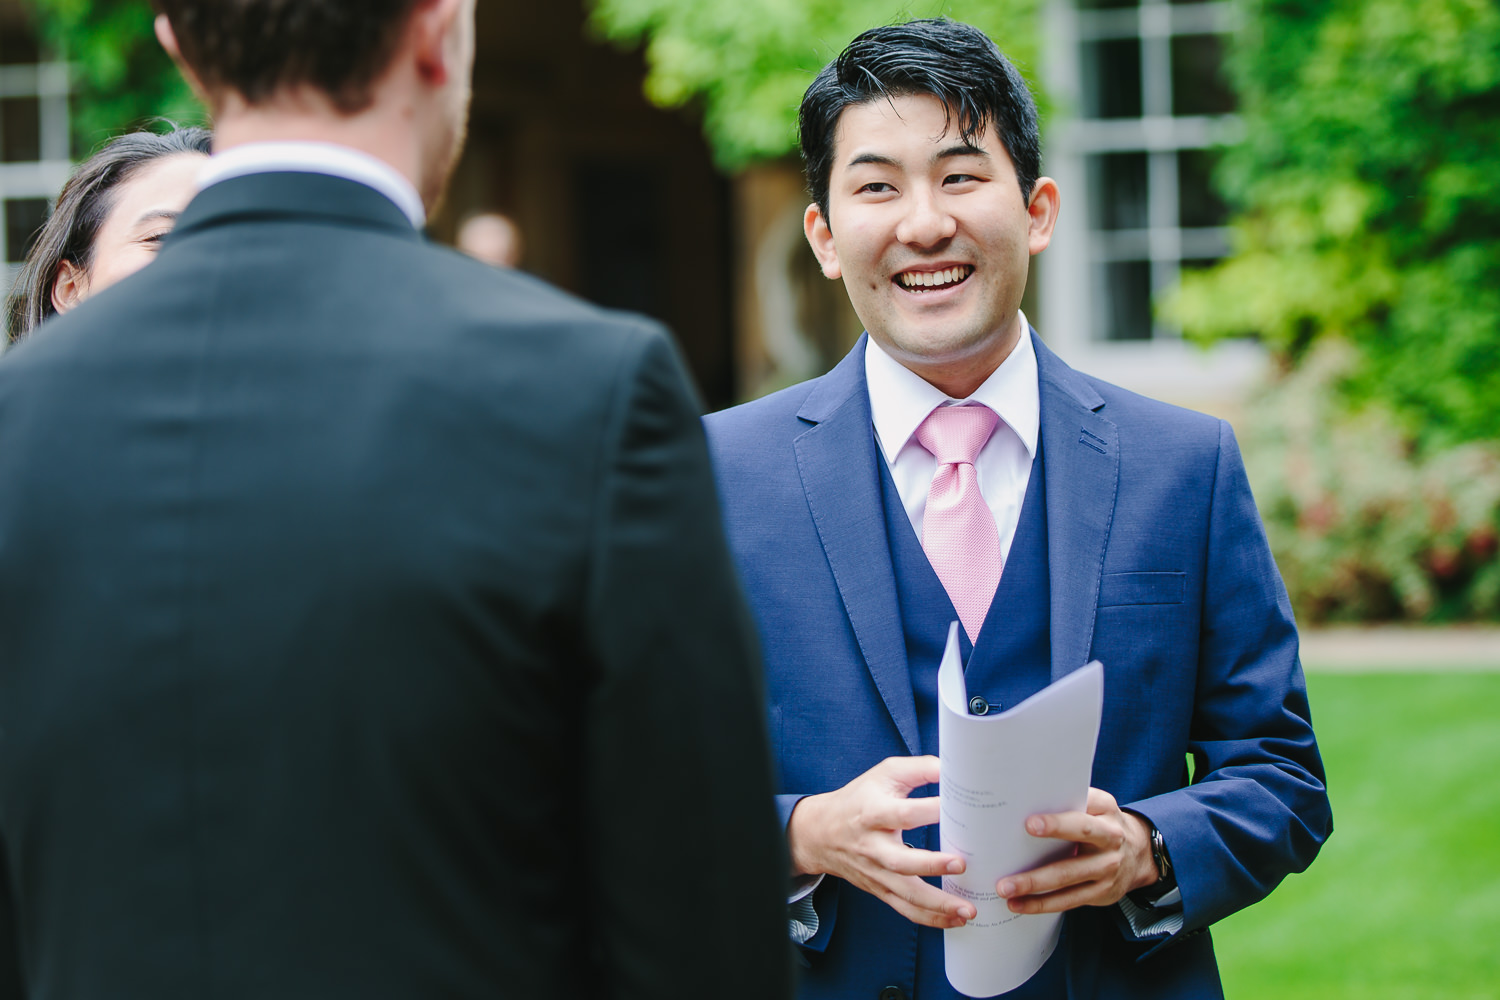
(1118, 589)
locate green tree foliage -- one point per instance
(748, 61)
(1369, 186)
(121, 78)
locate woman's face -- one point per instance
(145, 209)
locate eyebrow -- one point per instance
(165, 214)
(962, 149)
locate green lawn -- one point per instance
(1404, 900)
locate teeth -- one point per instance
(933, 279)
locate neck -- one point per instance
(960, 377)
(384, 131)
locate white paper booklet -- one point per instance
(998, 769)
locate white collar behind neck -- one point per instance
(316, 158)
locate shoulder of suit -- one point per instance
(1124, 405)
(765, 413)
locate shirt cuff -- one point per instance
(802, 918)
(804, 886)
(1162, 920)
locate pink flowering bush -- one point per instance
(1364, 526)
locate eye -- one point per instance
(875, 187)
(960, 179)
(155, 238)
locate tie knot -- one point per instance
(956, 434)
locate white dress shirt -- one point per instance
(316, 158)
(900, 400)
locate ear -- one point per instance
(168, 39)
(437, 33)
(70, 287)
(1043, 208)
(820, 238)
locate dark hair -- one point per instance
(257, 47)
(954, 62)
(80, 211)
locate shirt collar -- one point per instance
(316, 158)
(900, 399)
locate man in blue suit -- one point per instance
(1125, 528)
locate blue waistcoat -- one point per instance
(1010, 662)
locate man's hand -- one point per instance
(855, 834)
(1113, 857)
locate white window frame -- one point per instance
(1164, 366)
(48, 83)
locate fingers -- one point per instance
(908, 814)
(906, 774)
(1085, 894)
(1103, 832)
(1101, 803)
(854, 833)
(904, 860)
(1107, 864)
(922, 903)
(1095, 869)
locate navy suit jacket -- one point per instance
(1159, 568)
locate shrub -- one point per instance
(1364, 526)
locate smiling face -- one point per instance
(931, 237)
(144, 209)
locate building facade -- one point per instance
(620, 201)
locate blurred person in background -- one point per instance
(360, 603)
(492, 238)
(108, 222)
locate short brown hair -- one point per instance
(257, 47)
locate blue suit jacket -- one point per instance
(1159, 568)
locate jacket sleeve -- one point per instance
(678, 768)
(1257, 809)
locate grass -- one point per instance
(1404, 900)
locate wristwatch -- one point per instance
(1166, 880)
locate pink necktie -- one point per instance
(958, 530)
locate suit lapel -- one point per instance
(1081, 466)
(837, 460)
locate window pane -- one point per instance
(20, 130)
(1122, 300)
(1112, 78)
(1117, 191)
(1198, 83)
(23, 217)
(17, 43)
(1197, 202)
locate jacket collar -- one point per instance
(292, 195)
(838, 463)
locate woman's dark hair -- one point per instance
(954, 62)
(86, 199)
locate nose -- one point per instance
(926, 222)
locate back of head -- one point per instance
(954, 62)
(258, 47)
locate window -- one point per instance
(33, 138)
(1150, 103)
